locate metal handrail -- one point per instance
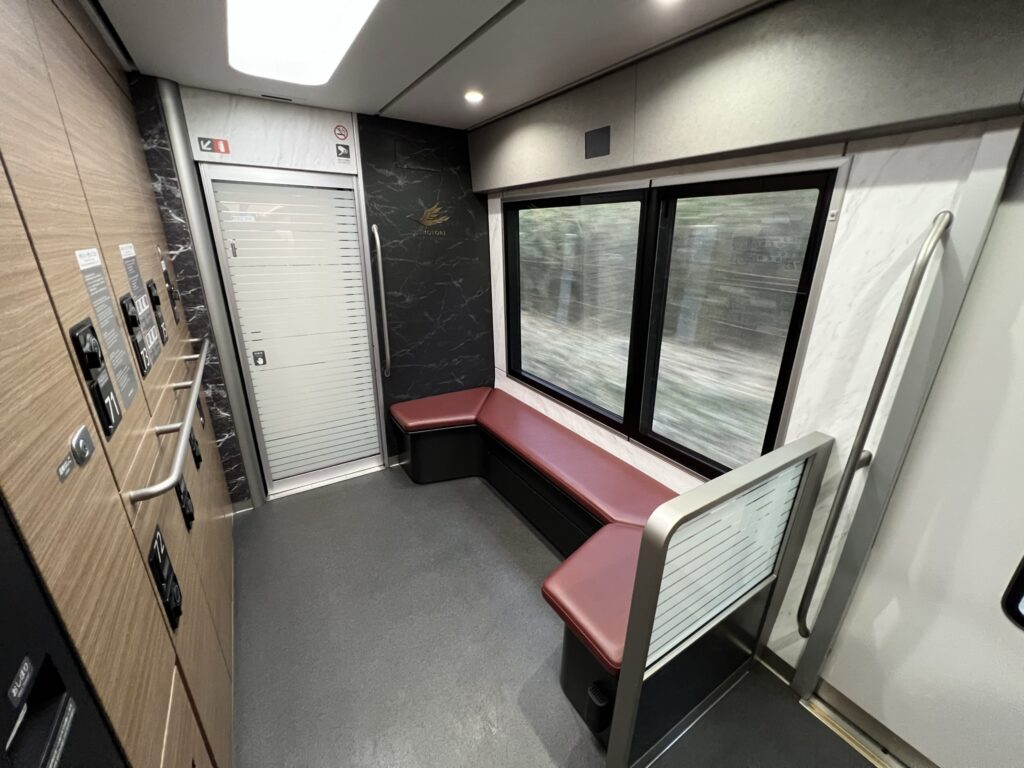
(383, 301)
(182, 428)
(860, 458)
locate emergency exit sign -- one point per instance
(218, 146)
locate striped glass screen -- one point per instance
(719, 556)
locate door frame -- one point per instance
(214, 172)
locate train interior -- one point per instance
(516, 383)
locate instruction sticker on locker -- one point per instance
(140, 296)
(91, 266)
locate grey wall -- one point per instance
(798, 72)
(437, 276)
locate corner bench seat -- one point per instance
(454, 409)
(593, 588)
(607, 487)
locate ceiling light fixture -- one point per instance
(298, 41)
(474, 97)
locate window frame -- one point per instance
(513, 307)
(653, 260)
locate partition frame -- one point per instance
(815, 448)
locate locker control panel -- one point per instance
(97, 378)
(1013, 600)
(188, 511)
(197, 455)
(135, 334)
(166, 580)
(158, 313)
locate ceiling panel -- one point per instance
(544, 45)
(186, 41)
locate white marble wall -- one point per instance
(269, 134)
(895, 188)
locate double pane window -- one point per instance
(671, 314)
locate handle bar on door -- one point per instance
(383, 301)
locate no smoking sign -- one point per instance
(340, 132)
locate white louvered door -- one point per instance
(293, 269)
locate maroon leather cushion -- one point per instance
(610, 488)
(454, 409)
(593, 588)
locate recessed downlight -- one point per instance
(299, 41)
(474, 97)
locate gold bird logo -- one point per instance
(434, 216)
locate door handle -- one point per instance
(383, 301)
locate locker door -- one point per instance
(42, 170)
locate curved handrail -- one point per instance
(859, 457)
(183, 428)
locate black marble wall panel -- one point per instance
(437, 274)
(182, 263)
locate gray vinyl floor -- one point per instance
(381, 623)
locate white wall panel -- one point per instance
(896, 187)
(925, 647)
(269, 134)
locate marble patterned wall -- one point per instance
(433, 231)
(181, 262)
(896, 187)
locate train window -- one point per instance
(680, 333)
(735, 265)
(570, 295)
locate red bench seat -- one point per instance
(609, 488)
(454, 409)
(593, 588)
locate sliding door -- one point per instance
(293, 269)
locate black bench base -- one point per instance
(433, 455)
(588, 686)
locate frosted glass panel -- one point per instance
(716, 558)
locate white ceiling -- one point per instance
(532, 48)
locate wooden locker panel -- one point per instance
(182, 732)
(107, 148)
(215, 550)
(200, 656)
(42, 171)
(183, 745)
(77, 17)
(76, 529)
(209, 540)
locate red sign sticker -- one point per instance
(340, 132)
(220, 146)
